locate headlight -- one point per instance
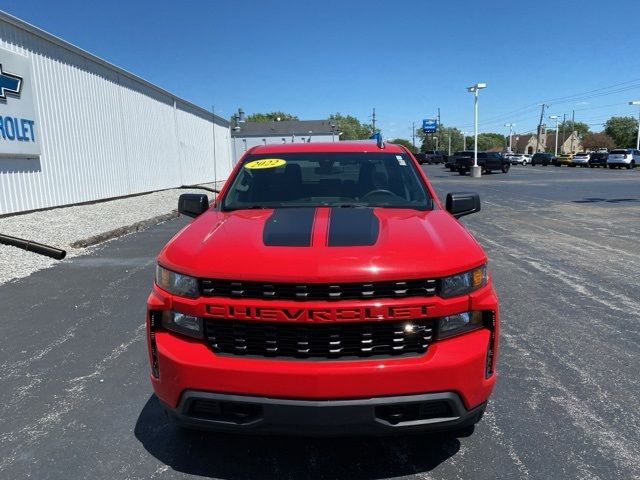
(176, 283)
(463, 283)
(459, 323)
(181, 323)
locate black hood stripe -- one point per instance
(289, 227)
(351, 227)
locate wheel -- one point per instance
(631, 165)
(505, 169)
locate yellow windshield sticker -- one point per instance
(265, 163)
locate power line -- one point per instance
(589, 94)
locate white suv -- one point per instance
(628, 157)
(581, 159)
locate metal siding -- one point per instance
(104, 134)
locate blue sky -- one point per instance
(406, 58)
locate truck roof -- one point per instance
(343, 146)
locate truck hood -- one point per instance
(322, 245)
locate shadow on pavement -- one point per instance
(227, 456)
(608, 200)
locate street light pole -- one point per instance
(413, 134)
(510, 125)
(475, 170)
(557, 119)
(637, 102)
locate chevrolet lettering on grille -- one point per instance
(234, 312)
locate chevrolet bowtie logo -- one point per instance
(9, 83)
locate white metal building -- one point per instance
(75, 128)
(250, 134)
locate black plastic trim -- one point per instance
(321, 417)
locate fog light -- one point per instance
(459, 323)
(181, 323)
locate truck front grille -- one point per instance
(319, 291)
(339, 340)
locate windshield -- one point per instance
(332, 179)
(619, 152)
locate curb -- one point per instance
(118, 232)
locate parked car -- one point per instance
(517, 159)
(598, 159)
(301, 303)
(628, 158)
(543, 159)
(564, 159)
(434, 157)
(421, 157)
(487, 161)
(581, 159)
(452, 160)
(529, 158)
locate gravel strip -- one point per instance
(77, 228)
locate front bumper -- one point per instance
(456, 365)
(365, 416)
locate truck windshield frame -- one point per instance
(327, 179)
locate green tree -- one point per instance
(406, 143)
(486, 141)
(350, 127)
(623, 130)
(592, 141)
(580, 127)
(428, 141)
(271, 117)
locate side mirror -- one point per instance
(193, 204)
(460, 204)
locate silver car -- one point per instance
(518, 159)
(581, 159)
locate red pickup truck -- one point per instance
(326, 292)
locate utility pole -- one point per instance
(449, 150)
(573, 127)
(464, 141)
(539, 128)
(373, 120)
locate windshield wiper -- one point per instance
(351, 205)
(249, 207)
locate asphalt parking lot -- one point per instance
(564, 248)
